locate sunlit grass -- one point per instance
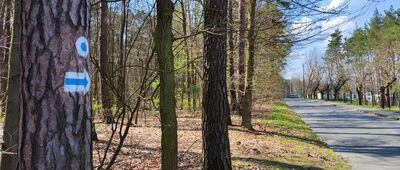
(303, 148)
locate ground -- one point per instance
(281, 141)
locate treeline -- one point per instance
(146, 57)
(364, 66)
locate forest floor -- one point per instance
(281, 140)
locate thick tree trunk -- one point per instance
(242, 49)
(336, 94)
(216, 148)
(248, 95)
(232, 78)
(12, 120)
(163, 44)
(328, 94)
(105, 90)
(382, 93)
(388, 97)
(56, 110)
(359, 95)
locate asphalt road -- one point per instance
(369, 142)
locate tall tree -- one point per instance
(357, 54)
(163, 46)
(106, 99)
(248, 94)
(11, 126)
(5, 30)
(335, 61)
(215, 98)
(242, 50)
(55, 105)
(232, 80)
(186, 28)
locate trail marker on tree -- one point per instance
(82, 46)
(77, 82)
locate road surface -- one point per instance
(369, 142)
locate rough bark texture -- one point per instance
(232, 81)
(11, 125)
(163, 45)
(105, 90)
(56, 125)
(215, 98)
(241, 58)
(248, 95)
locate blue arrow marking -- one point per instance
(77, 82)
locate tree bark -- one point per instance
(388, 97)
(215, 98)
(105, 90)
(360, 95)
(56, 122)
(12, 120)
(5, 51)
(382, 93)
(232, 80)
(248, 95)
(187, 31)
(241, 58)
(163, 45)
(121, 59)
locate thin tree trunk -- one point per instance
(105, 90)
(3, 78)
(5, 52)
(248, 95)
(186, 32)
(216, 148)
(241, 58)
(232, 78)
(12, 120)
(163, 45)
(121, 60)
(56, 112)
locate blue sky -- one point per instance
(346, 23)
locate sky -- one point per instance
(345, 23)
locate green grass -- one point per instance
(304, 149)
(355, 103)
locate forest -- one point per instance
(183, 84)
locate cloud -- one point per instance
(343, 23)
(335, 5)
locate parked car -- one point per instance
(293, 96)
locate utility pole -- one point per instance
(304, 85)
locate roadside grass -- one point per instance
(355, 103)
(301, 147)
